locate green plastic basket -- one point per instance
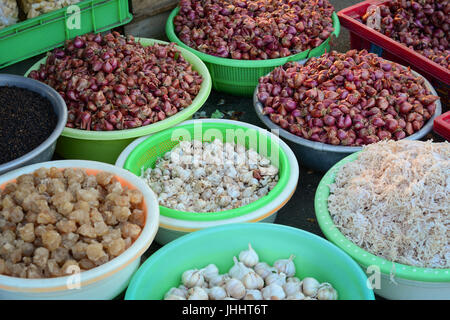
(48, 31)
(106, 146)
(147, 152)
(364, 258)
(240, 77)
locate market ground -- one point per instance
(299, 211)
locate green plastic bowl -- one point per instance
(173, 224)
(410, 282)
(240, 77)
(314, 257)
(154, 147)
(105, 146)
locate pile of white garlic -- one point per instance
(250, 279)
(210, 176)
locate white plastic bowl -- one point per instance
(102, 282)
(171, 228)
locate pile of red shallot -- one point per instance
(253, 29)
(112, 82)
(421, 25)
(348, 99)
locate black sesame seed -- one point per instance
(26, 120)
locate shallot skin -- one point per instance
(350, 99)
(112, 82)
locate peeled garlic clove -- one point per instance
(176, 292)
(310, 286)
(192, 278)
(286, 266)
(253, 295)
(253, 281)
(197, 293)
(291, 288)
(297, 296)
(210, 271)
(278, 278)
(235, 288)
(239, 270)
(273, 292)
(217, 293)
(326, 292)
(249, 257)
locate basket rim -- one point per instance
(284, 175)
(170, 32)
(363, 257)
(187, 112)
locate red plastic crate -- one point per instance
(441, 125)
(363, 37)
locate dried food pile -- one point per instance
(351, 99)
(253, 30)
(210, 177)
(393, 201)
(112, 82)
(26, 120)
(53, 219)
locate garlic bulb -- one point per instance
(310, 286)
(286, 266)
(183, 289)
(249, 257)
(210, 271)
(297, 296)
(193, 278)
(293, 279)
(219, 280)
(235, 288)
(291, 288)
(253, 281)
(173, 297)
(239, 270)
(197, 293)
(273, 292)
(176, 292)
(253, 295)
(264, 270)
(326, 292)
(278, 278)
(217, 293)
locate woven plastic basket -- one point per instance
(240, 77)
(154, 147)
